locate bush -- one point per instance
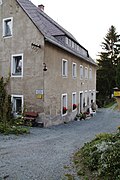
(100, 158)
(11, 129)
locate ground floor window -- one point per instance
(64, 104)
(17, 104)
(86, 98)
(74, 104)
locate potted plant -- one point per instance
(74, 106)
(64, 110)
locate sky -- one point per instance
(87, 20)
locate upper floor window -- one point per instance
(7, 27)
(0, 2)
(90, 73)
(74, 70)
(17, 65)
(86, 72)
(81, 72)
(64, 67)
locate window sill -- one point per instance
(7, 36)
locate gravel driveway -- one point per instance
(42, 154)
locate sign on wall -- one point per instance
(39, 93)
(117, 93)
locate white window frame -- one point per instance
(11, 27)
(13, 74)
(94, 95)
(74, 100)
(63, 104)
(74, 70)
(81, 102)
(86, 72)
(81, 72)
(90, 73)
(1, 2)
(13, 105)
(89, 97)
(64, 62)
(86, 97)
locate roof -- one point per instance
(50, 29)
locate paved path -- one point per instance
(43, 153)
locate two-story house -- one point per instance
(50, 72)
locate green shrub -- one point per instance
(100, 158)
(8, 129)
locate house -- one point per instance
(50, 72)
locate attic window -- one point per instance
(73, 44)
(66, 40)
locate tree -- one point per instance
(107, 65)
(118, 75)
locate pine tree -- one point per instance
(107, 65)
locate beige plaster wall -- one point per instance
(55, 85)
(24, 33)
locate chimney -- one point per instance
(41, 6)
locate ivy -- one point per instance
(5, 102)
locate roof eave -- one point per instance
(70, 51)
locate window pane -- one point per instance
(64, 67)
(17, 65)
(81, 72)
(18, 105)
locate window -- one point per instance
(90, 73)
(81, 72)
(64, 104)
(64, 67)
(7, 27)
(86, 73)
(74, 70)
(74, 104)
(0, 2)
(73, 44)
(86, 98)
(78, 48)
(17, 105)
(17, 65)
(66, 40)
(69, 42)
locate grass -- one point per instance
(110, 104)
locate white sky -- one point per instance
(87, 20)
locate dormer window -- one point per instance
(7, 27)
(66, 40)
(73, 44)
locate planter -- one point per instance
(74, 106)
(64, 110)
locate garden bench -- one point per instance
(30, 118)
